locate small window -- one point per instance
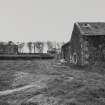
(86, 25)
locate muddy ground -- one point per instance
(48, 82)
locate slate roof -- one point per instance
(66, 44)
(91, 28)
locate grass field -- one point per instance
(47, 82)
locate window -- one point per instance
(86, 25)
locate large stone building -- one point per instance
(87, 43)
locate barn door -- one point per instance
(75, 58)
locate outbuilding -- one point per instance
(8, 48)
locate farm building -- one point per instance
(87, 43)
(8, 48)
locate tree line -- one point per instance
(34, 47)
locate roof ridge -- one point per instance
(91, 28)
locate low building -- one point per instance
(52, 51)
(65, 51)
(87, 43)
(8, 48)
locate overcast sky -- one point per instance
(32, 20)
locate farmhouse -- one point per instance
(8, 48)
(87, 43)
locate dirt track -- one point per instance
(34, 85)
(47, 82)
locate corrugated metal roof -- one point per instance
(91, 28)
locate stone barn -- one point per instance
(87, 43)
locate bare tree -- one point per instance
(50, 45)
(10, 43)
(59, 45)
(29, 44)
(20, 46)
(34, 46)
(39, 46)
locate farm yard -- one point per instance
(52, 52)
(48, 82)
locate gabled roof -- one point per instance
(91, 28)
(66, 44)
